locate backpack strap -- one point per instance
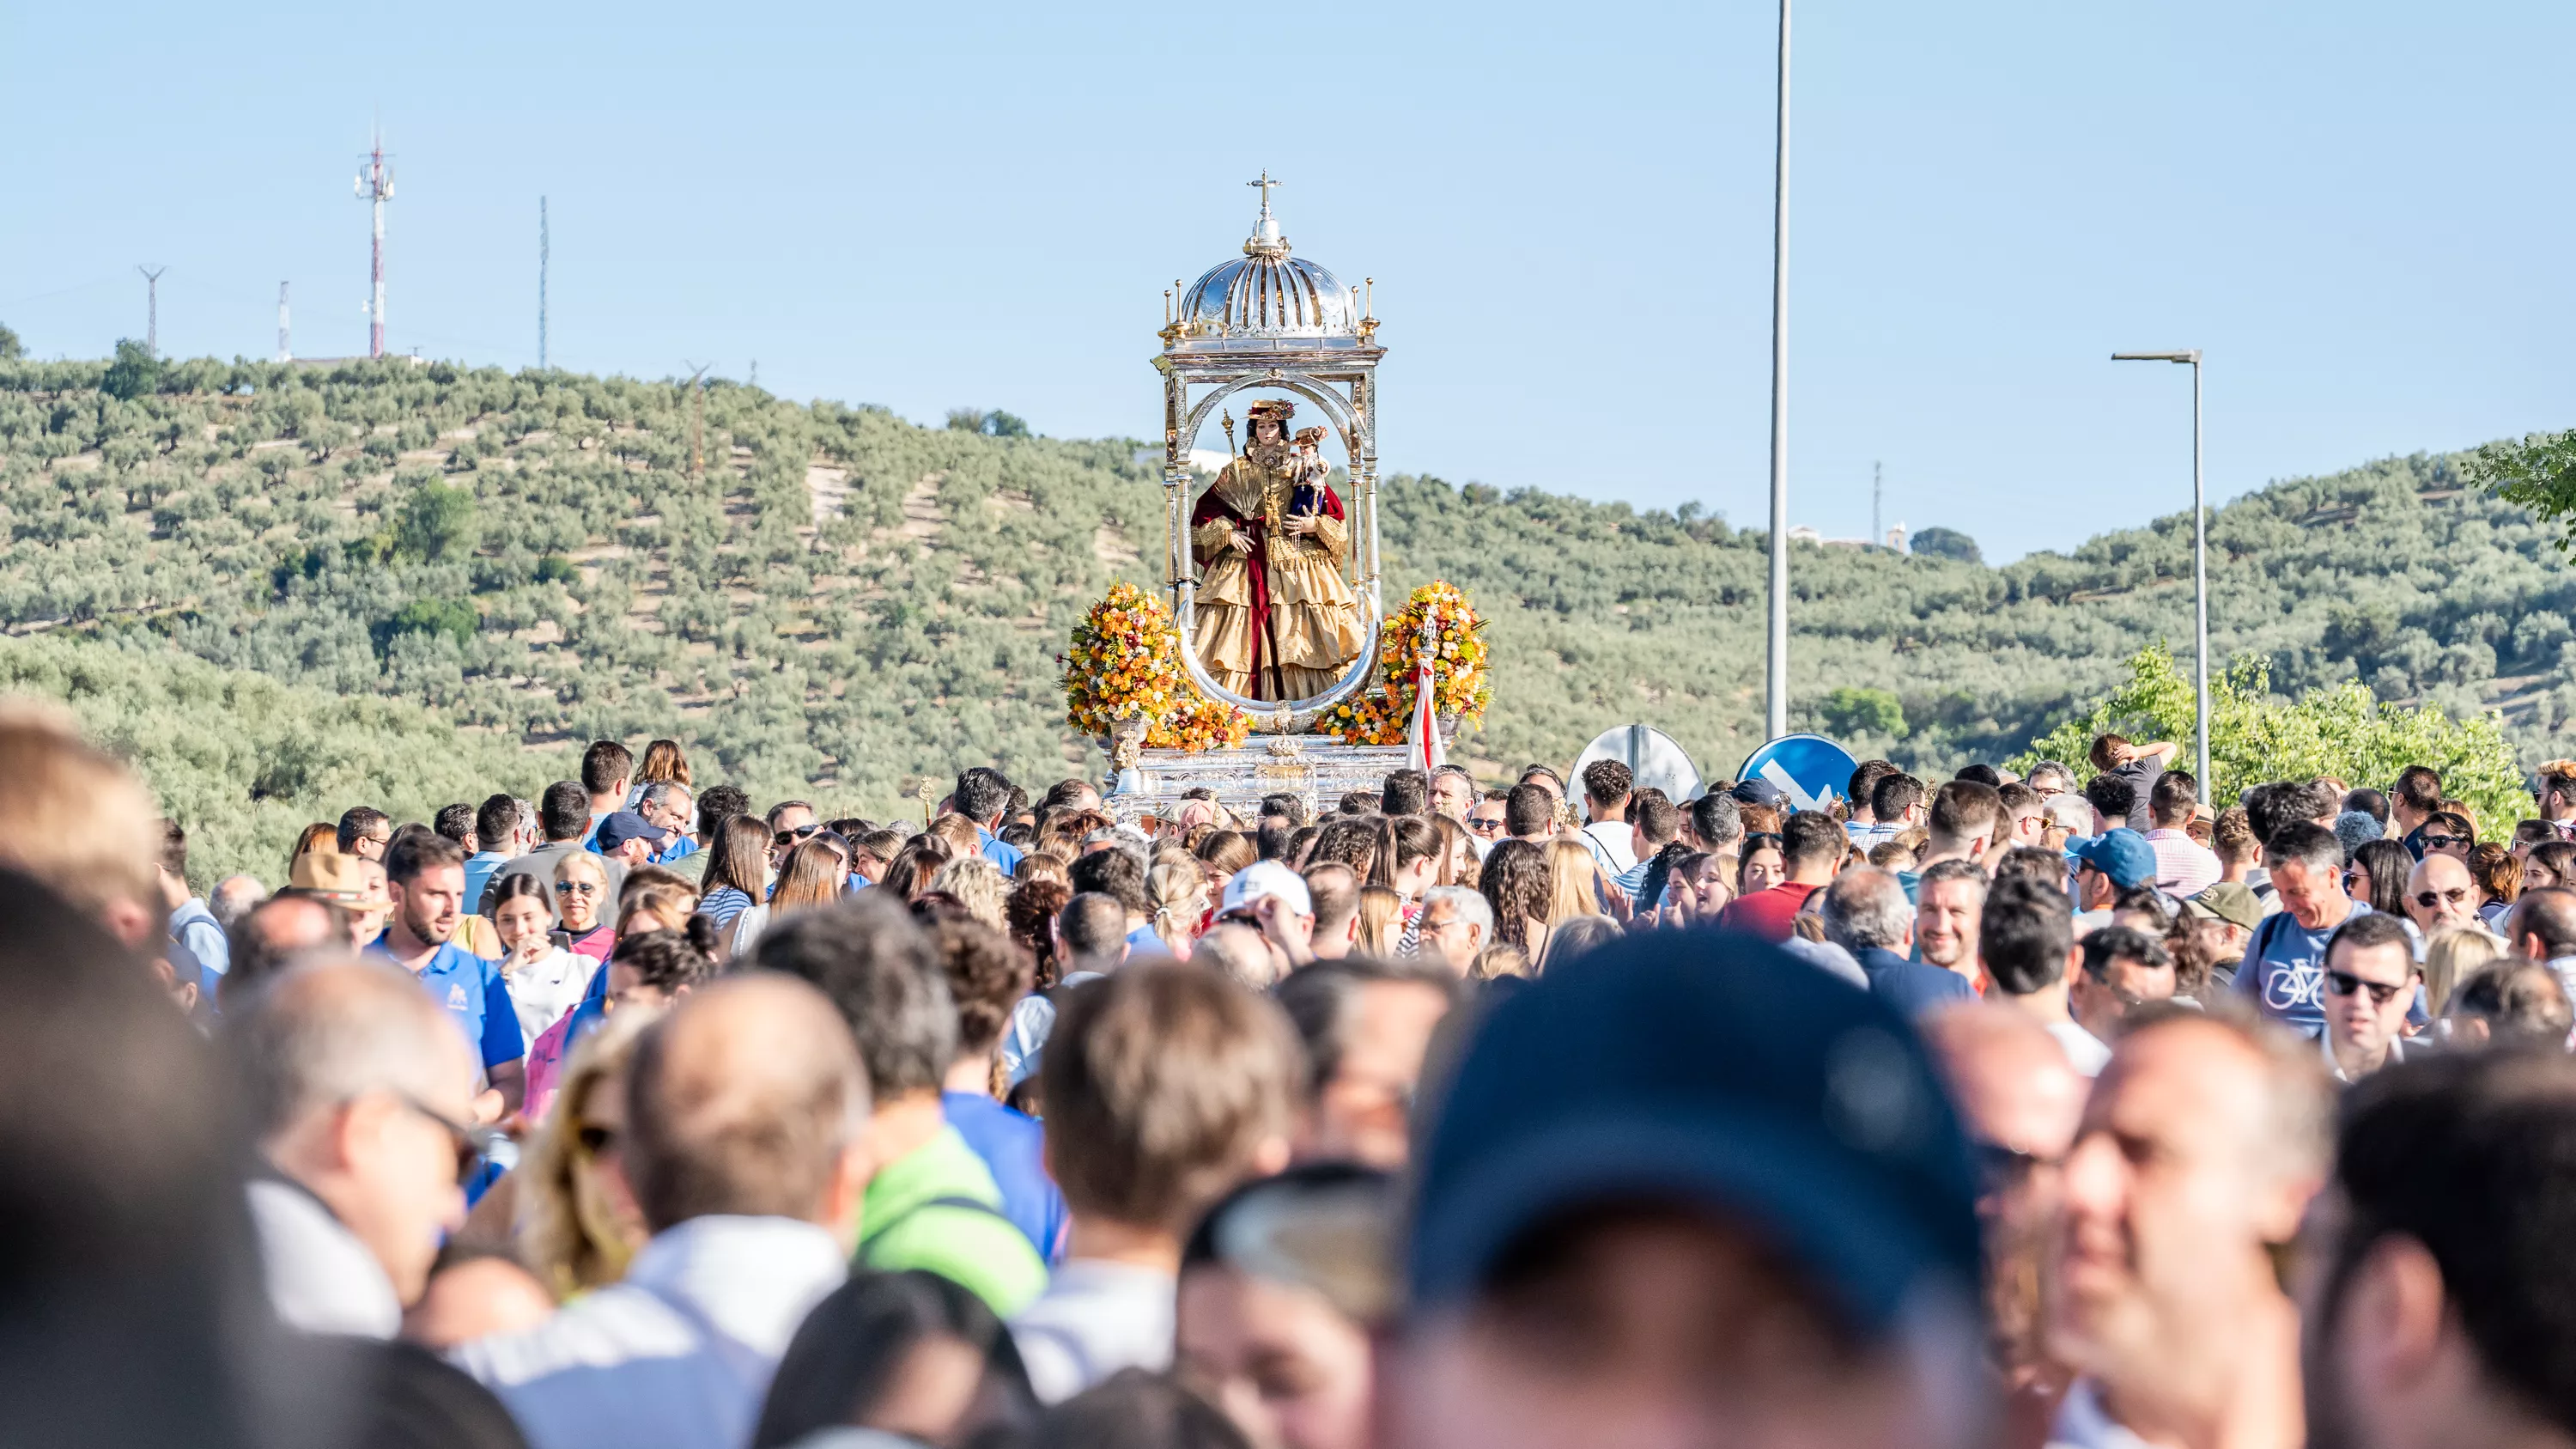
(867, 1250)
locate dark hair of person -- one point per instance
(2112, 796)
(1541, 772)
(2384, 866)
(669, 960)
(454, 821)
(1287, 807)
(987, 973)
(2558, 857)
(2024, 936)
(1409, 838)
(1226, 850)
(2419, 788)
(981, 794)
(496, 821)
(1322, 1002)
(1271, 839)
(1358, 842)
(2316, 800)
(1406, 792)
(1029, 911)
(2306, 842)
(918, 859)
(2497, 872)
(605, 766)
(2121, 943)
(1094, 926)
(417, 851)
(2369, 802)
(563, 812)
(1133, 1409)
(1811, 839)
(1607, 782)
(1515, 883)
(2032, 863)
(885, 975)
(1301, 844)
(507, 888)
(718, 804)
(1357, 802)
(2522, 1002)
(1717, 820)
(1892, 795)
(2375, 928)
(2171, 803)
(360, 822)
(1527, 809)
(2473, 1156)
(739, 857)
(2550, 914)
(255, 958)
(852, 1345)
(1862, 787)
(2264, 810)
(1113, 873)
(1986, 775)
(2456, 823)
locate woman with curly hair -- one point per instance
(1514, 882)
(1030, 916)
(976, 884)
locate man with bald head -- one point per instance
(360, 1093)
(746, 1147)
(2019, 1101)
(2203, 1140)
(2441, 895)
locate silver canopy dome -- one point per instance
(1268, 293)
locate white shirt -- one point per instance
(1610, 842)
(321, 1279)
(679, 1353)
(2083, 1049)
(1094, 1319)
(2184, 867)
(544, 989)
(1024, 1040)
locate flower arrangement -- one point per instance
(1459, 685)
(1125, 664)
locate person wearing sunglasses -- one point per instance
(2441, 894)
(1485, 819)
(2370, 984)
(361, 1092)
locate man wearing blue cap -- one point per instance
(2106, 865)
(1683, 1192)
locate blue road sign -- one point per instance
(1811, 770)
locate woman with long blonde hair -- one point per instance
(1573, 881)
(1176, 901)
(578, 1226)
(1381, 920)
(814, 874)
(2453, 956)
(977, 884)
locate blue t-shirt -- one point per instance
(681, 849)
(1012, 1145)
(478, 873)
(999, 851)
(478, 996)
(2285, 969)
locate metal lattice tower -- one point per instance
(541, 283)
(285, 348)
(152, 308)
(376, 187)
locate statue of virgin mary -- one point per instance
(1276, 619)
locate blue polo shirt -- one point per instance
(478, 873)
(1012, 1145)
(999, 851)
(476, 994)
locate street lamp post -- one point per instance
(2199, 562)
(1776, 711)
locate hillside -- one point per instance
(843, 599)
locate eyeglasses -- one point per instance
(2443, 842)
(1484, 824)
(790, 837)
(2432, 900)
(473, 1142)
(2344, 983)
(578, 887)
(2355, 883)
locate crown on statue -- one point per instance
(1311, 437)
(1271, 407)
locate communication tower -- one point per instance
(376, 187)
(152, 308)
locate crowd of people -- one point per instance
(2068, 1109)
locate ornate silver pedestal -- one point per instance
(1316, 771)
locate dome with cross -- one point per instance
(1267, 292)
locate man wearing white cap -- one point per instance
(1270, 896)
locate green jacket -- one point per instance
(938, 1209)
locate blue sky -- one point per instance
(2356, 209)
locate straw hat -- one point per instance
(343, 878)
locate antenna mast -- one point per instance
(541, 283)
(152, 308)
(285, 349)
(376, 187)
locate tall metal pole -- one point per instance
(2199, 566)
(376, 187)
(1776, 713)
(2199, 587)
